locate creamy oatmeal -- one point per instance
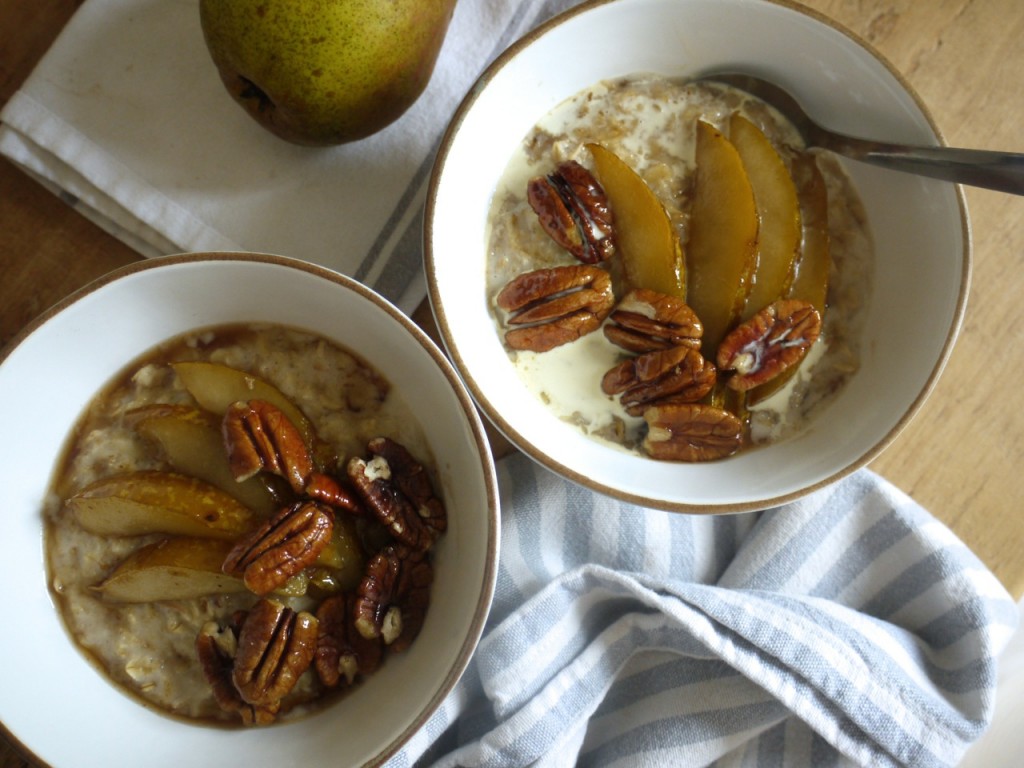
(649, 122)
(149, 647)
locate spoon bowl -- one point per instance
(1001, 171)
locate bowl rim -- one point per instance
(466, 404)
(509, 431)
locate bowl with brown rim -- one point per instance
(55, 703)
(912, 298)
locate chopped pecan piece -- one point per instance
(285, 544)
(396, 488)
(573, 210)
(645, 321)
(553, 306)
(771, 341)
(691, 432)
(326, 489)
(676, 375)
(275, 647)
(342, 653)
(391, 600)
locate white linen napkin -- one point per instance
(850, 627)
(126, 118)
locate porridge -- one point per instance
(619, 208)
(240, 494)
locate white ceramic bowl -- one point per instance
(920, 228)
(52, 700)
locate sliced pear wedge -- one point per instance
(144, 502)
(343, 554)
(171, 569)
(192, 443)
(215, 387)
(646, 241)
(814, 263)
(722, 248)
(778, 211)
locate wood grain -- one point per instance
(960, 456)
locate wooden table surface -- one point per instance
(959, 457)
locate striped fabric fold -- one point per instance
(847, 628)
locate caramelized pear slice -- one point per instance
(171, 569)
(215, 387)
(144, 502)
(647, 242)
(722, 249)
(343, 553)
(192, 443)
(814, 262)
(778, 211)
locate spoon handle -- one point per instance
(1001, 171)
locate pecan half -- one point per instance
(216, 648)
(275, 647)
(391, 600)
(691, 432)
(573, 210)
(342, 654)
(259, 437)
(396, 488)
(768, 343)
(645, 321)
(676, 375)
(555, 305)
(286, 543)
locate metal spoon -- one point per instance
(1001, 171)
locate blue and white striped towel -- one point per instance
(846, 628)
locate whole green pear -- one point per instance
(322, 72)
